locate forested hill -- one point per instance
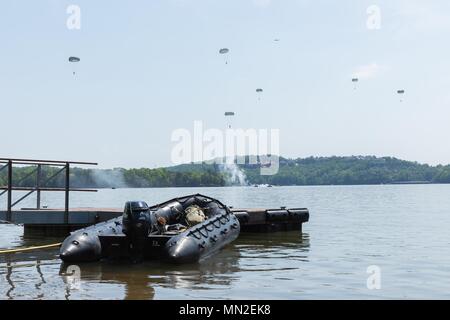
(307, 171)
(350, 171)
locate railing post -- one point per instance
(67, 188)
(38, 186)
(9, 201)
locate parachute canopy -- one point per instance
(355, 80)
(400, 91)
(229, 113)
(259, 90)
(74, 59)
(224, 50)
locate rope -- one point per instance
(30, 248)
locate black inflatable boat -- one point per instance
(181, 230)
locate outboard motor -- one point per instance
(136, 223)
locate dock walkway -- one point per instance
(53, 221)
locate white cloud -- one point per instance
(368, 71)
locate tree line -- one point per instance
(354, 170)
(114, 178)
(350, 171)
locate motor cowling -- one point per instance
(133, 213)
(136, 226)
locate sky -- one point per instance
(151, 67)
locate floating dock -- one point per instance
(53, 221)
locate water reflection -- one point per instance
(133, 277)
(140, 281)
(32, 275)
(15, 269)
(10, 282)
(218, 271)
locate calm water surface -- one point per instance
(404, 230)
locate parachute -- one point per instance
(224, 52)
(74, 60)
(401, 92)
(259, 91)
(229, 114)
(355, 80)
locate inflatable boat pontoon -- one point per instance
(181, 230)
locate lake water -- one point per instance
(404, 231)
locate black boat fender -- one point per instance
(84, 245)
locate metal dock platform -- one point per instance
(53, 221)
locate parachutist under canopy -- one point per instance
(74, 60)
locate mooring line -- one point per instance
(49, 246)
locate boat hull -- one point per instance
(109, 240)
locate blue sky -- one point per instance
(150, 67)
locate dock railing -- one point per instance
(40, 185)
